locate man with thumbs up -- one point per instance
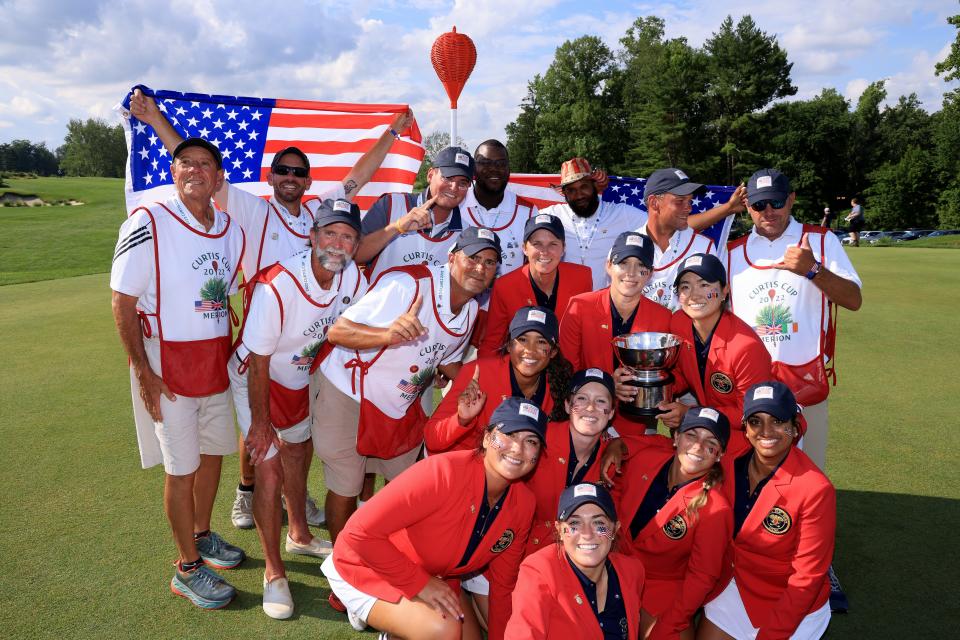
(366, 414)
(786, 279)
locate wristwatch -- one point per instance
(814, 270)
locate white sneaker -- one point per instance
(277, 601)
(315, 515)
(317, 547)
(242, 513)
(355, 621)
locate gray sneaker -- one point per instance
(218, 553)
(242, 513)
(203, 587)
(315, 515)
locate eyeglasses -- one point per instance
(486, 263)
(457, 182)
(497, 164)
(761, 205)
(282, 170)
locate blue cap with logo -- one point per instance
(454, 161)
(577, 495)
(519, 414)
(631, 244)
(473, 240)
(332, 211)
(704, 265)
(539, 319)
(673, 181)
(767, 184)
(544, 221)
(707, 418)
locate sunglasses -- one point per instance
(760, 205)
(282, 170)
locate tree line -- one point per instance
(718, 112)
(91, 148)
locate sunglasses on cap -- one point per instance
(282, 170)
(761, 205)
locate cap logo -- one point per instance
(764, 182)
(543, 218)
(635, 241)
(709, 414)
(486, 234)
(536, 316)
(594, 373)
(341, 205)
(462, 158)
(681, 175)
(761, 393)
(585, 490)
(695, 261)
(529, 410)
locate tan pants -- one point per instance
(814, 442)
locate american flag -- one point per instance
(539, 189)
(203, 306)
(249, 131)
(407, 387)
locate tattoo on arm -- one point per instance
(349, 187)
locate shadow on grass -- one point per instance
(893, 558)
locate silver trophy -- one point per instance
(649, 357)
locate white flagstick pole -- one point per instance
(453, 127)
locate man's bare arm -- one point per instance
(131, 336)
(367, 165)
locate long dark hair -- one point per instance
(558, 374)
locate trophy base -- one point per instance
(649, 395)
(639, 412)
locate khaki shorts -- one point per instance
(335, 417)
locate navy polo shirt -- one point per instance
(620, 325)
(657, 496)
(546, 300)
(613, 618)
(702, 347)
(485, 517)
(574, 476)
(538, 395)
(743, 499)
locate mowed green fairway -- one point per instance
(88, 554)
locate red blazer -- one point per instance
(444, 432)
(513, 290)
(781, 562)
(684, 565)
(549, 480)
(736, 361)
(419, 526)
(587, 329)
(549, 601)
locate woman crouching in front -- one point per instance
(580, 587)
(397, 565)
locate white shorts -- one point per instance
(478, 585)
(190, 426)
(728, 613)
(357, 602)
(295, 434)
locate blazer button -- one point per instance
(536, 541)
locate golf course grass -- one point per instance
(88, 550)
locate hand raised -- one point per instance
(417, 218)
(471, 400)
(799, 259)
(144, 108)
(407, 326)
(402, 121)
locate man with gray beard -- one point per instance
(292, 305)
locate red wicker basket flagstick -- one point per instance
(453, 56)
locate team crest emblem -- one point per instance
(775, 319)
(505, 541)
(721, 383)
(213, 296)
(676, 528)
(778, 521)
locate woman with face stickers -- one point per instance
(721, 355)
(528, 366)
(397, 565)
(579, 587)
(544, 281)
(679, 522)
(785, 516)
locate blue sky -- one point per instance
(62, 59)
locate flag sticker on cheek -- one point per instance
(497, 441)
(604, 531)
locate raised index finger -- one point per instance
(417, 303)
(429, 203)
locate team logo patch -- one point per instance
(486, 234)
(721, 383)
(693, 261)
(763, 393)
(593, 373)
(635, 241)
(529, 411)
(778, 521)
(676, 528)
(544, 218)
(681, 175)
(504, 542)
(462, 158)
(536, 316)
(764, 182)
(341, 205)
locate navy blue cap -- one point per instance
(585, 376)
(544, 221)
(519, 414)
(295, 151)
(632, 244)
(704, 265)
(771, 397)
(577, 495)
(767, 184)
(672, 181)
(203, 144)
(473, 240)
(539, 319)
(454, 161)
(331, 211)
(707, 418)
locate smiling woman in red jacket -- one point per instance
(544, 281)
(528, 366)
(397, 564)
(579, 587)
(785, 516)
(679, 522)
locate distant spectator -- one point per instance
(828, 217)
(856, 220)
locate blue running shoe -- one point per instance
(218, 553)
(203, 587)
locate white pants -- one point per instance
(728, 613)
(357, 602)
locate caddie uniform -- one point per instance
(665, 263)
(288, 319)
(366, 403)
(683, 554)
(507, 219)
(421, 525)
(273, 234)
(589, 239)
(182, 275)
(430, 246)
(792, 316)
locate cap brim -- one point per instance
(474, 248)
(772, 408)
(633, 252)
(766, 194)
(451, 172)
(508, 429)
(333, 218)
(687, 189)
(546, 226)
(582, 500)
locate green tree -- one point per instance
(950, 67)
(749, 70)
(433, 144)
(864, 151)
(93, 148)
(23, 155)
(523, 145)
(946, 133)
(901, 193)
(902, 125)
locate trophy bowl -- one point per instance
(649, 356)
